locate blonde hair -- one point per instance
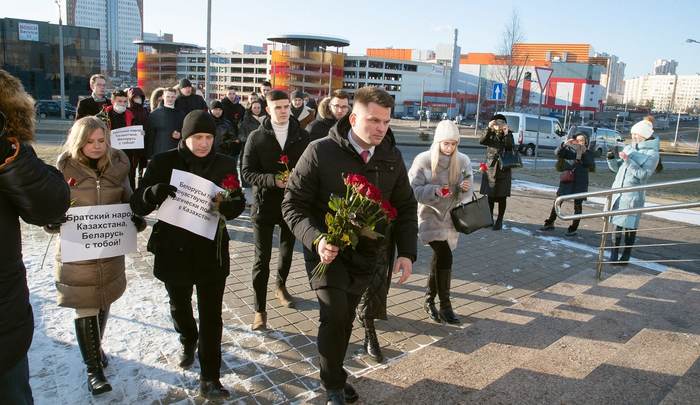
(78, 138)
(454, 171)
(155, 95)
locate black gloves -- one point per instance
(232, 208)
(611, 155)
(139, 222)
(53, 228)
(157, 193)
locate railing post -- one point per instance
(603, 238)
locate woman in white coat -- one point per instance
(441, 179)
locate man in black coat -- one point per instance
(356, 144)
(184, 259)
(164, 126)
(278, 138)
(188, 100)
(233, 110)
(93, 105)
(37, 193)
(329, 112)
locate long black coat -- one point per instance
(232, 111)
(496, 181)
(319, 174)
(88, 106)
(580, 167)
(37, 193)
(182, 257)
(261, 164)
(161, 124)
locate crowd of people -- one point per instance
(275, 131)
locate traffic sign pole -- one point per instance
(543, 75)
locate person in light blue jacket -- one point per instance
(634, 165)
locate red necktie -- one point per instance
(365, 155)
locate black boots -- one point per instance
(87, 331)
(212, 390)
(498, 225)
(429, 305)
(102, 318)
(439, 284)
(187, 356)
(630, 236)
(372, 342)
(444, 279)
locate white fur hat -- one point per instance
(643, 128)
(446, 130)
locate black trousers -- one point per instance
(578, 208)
(209, 298)
(337, 313)
(263, 252)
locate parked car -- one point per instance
(52, 108)
(601, 140)
(524, 127)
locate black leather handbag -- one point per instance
(472, 215)
(510, 159)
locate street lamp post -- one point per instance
(207, 63)
(60, 57)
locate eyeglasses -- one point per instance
(340, 107)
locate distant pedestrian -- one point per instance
(301, 112)
(575, 160)
(164, 125)
(156, 98)
(188, 100)
(330, 111)
(496, 182)
(265, 87)
(226, 139)
(634, 165)
(233, 110)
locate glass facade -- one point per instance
(29, 50)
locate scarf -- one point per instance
(297, 111)
(196, 165)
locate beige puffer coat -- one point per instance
(93, 283)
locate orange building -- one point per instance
(390, 53)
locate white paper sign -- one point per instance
(97, 232)
(127, 137)
(28, 32)
(192, 208)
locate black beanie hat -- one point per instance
(499, 117)
(185, 83)
(297, 94)
(215, 104)
(198, 121)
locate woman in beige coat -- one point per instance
(441, 179)
(97, 175)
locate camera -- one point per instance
(613, 153)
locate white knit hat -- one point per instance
(446, 130)
(643, 128)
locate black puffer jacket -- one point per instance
(261, 163)
(319, 174)
(580, 167)
(182, 257)
(37, 193)
(187, 104)
(496, 182)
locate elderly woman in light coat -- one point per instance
(441, 179)
(634, 165)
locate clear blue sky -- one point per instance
(637, 31)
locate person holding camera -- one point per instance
(441, 179)
(496, 182)
(97, 175)
(575, 160)
(36, 192)
(633, 165)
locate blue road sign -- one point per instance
(497, 92)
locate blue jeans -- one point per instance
(14, 385)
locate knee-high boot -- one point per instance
(617, 238)
(444, 279)
(630, 236)
(371, 341)
(102, 317)
(87, 330)
(429, 305)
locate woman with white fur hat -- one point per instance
(634, 165)
(441, 179)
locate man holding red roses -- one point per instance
(271, 152)
(356, 144)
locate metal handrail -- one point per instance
(608, 212)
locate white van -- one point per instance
(524, 127)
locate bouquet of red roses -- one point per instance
(283, 176)
(232, 192)
(357, 214)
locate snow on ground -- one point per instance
(688, 216)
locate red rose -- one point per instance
(355, 180)
(483, 168)
(389, 210)
(230, 182)
(284, 159)
(445, 191)
(71, 181)
(373, 193)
